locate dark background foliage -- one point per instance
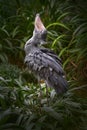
(21, 106)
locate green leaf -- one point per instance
(57, 24)
(8, 42)
(5, 31)
(51, 112)
(29, 122)
(42, 118)
(67, 60)
(15, 32)
(82, 53)
(81, 28)
(11, 126)
(3, 58)
(57, 39)
(62, 51)
(63, 15)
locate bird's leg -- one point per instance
(47, 94)
(40, 91)
(40, 94)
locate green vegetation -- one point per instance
(21, 106)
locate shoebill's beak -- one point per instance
(38, 23)
(40, 30)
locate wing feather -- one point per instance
(46, 67)
(39, 58)
(52, 54)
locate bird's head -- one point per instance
(39, 34)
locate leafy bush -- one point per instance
(24, 110)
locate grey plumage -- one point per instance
(42, 62)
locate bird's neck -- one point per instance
(31, 48)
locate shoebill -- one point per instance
(43, 62)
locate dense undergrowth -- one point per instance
(22, 107)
